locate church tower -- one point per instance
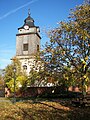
(27, 43)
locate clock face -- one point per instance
(26, 27)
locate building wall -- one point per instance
(32, 40)
(26, 61)
(39, 91)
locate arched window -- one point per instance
(24, 67)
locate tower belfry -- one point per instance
(27, 42)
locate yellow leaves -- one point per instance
(68, 27)
(65, 77)
(74, 59)
(86, 58)
(83, 62)
(83, 33)
(64, 52)
(84, 66)
(84, 76)
(52, 50)
(85, 87)
(87, 79)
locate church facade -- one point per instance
(27, 43)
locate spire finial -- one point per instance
(29, 12)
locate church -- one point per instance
(27, 43)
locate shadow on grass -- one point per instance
(75, 113)
(44, 114)
(25, 114)
(42, 111)
(51, 109)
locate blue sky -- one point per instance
(46, 13)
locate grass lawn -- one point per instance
(42, 110)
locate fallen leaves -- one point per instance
(40, 110)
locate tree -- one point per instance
(68, 53)
(37, 76)
(18, 75)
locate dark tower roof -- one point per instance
(29, 20)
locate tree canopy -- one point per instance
(18, 75)
(67, 56)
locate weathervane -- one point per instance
(29, 12)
